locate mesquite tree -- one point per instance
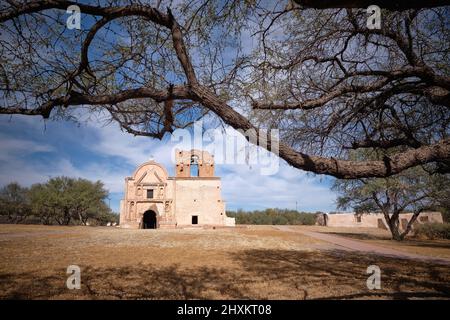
(63, 200)
(414, 190)
(309, 68)
(14, 204)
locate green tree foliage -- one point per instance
(40, 205)
(61, 200)
(272, 217)
(88, 199)
(433, 231)
(14, 204)
(105, 216)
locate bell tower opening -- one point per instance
(194, 166)
(149, 220)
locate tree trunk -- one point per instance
(80, 217)
(395, 232)
(411, 222)
(67, 216)
(393, 223)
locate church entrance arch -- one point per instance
(149, 220)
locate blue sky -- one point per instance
(32, 150)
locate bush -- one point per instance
(433, 231)
(446, 215)
(273, 217)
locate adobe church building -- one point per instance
(191, 198)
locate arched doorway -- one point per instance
(149, 220)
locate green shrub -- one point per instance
(433, 231)
(446, 215)
(273, 216)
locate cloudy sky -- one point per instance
(32, 150)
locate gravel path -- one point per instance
(355, 245)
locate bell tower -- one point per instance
(194, 163)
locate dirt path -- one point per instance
(355, 245)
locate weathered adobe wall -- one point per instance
(200, 197)
(147, 176)
(183, 163)
(376, 220)
(176, 199)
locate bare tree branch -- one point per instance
(349, 96)
(386, 4)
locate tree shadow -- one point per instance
(27, 286)
(135, 282)
(360, 236)
(408, 241)
(426, 243)
(340, 274)
(253, 274)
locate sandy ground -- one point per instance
(257, 262)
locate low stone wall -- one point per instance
(230, 222)
(374, 220)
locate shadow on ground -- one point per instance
(360, 236)
(407, 242)
(342, 275)
(254, 274)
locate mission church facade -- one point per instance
(191, 198)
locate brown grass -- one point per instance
(244, 263)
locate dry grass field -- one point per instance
(258, 262)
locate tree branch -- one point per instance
(385, 4)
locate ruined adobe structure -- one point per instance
(191, 198)
(373, 220)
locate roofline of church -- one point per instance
(193, 178)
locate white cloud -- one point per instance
(10, 148)
(27, 173)
(247, 188)
(243, 187)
